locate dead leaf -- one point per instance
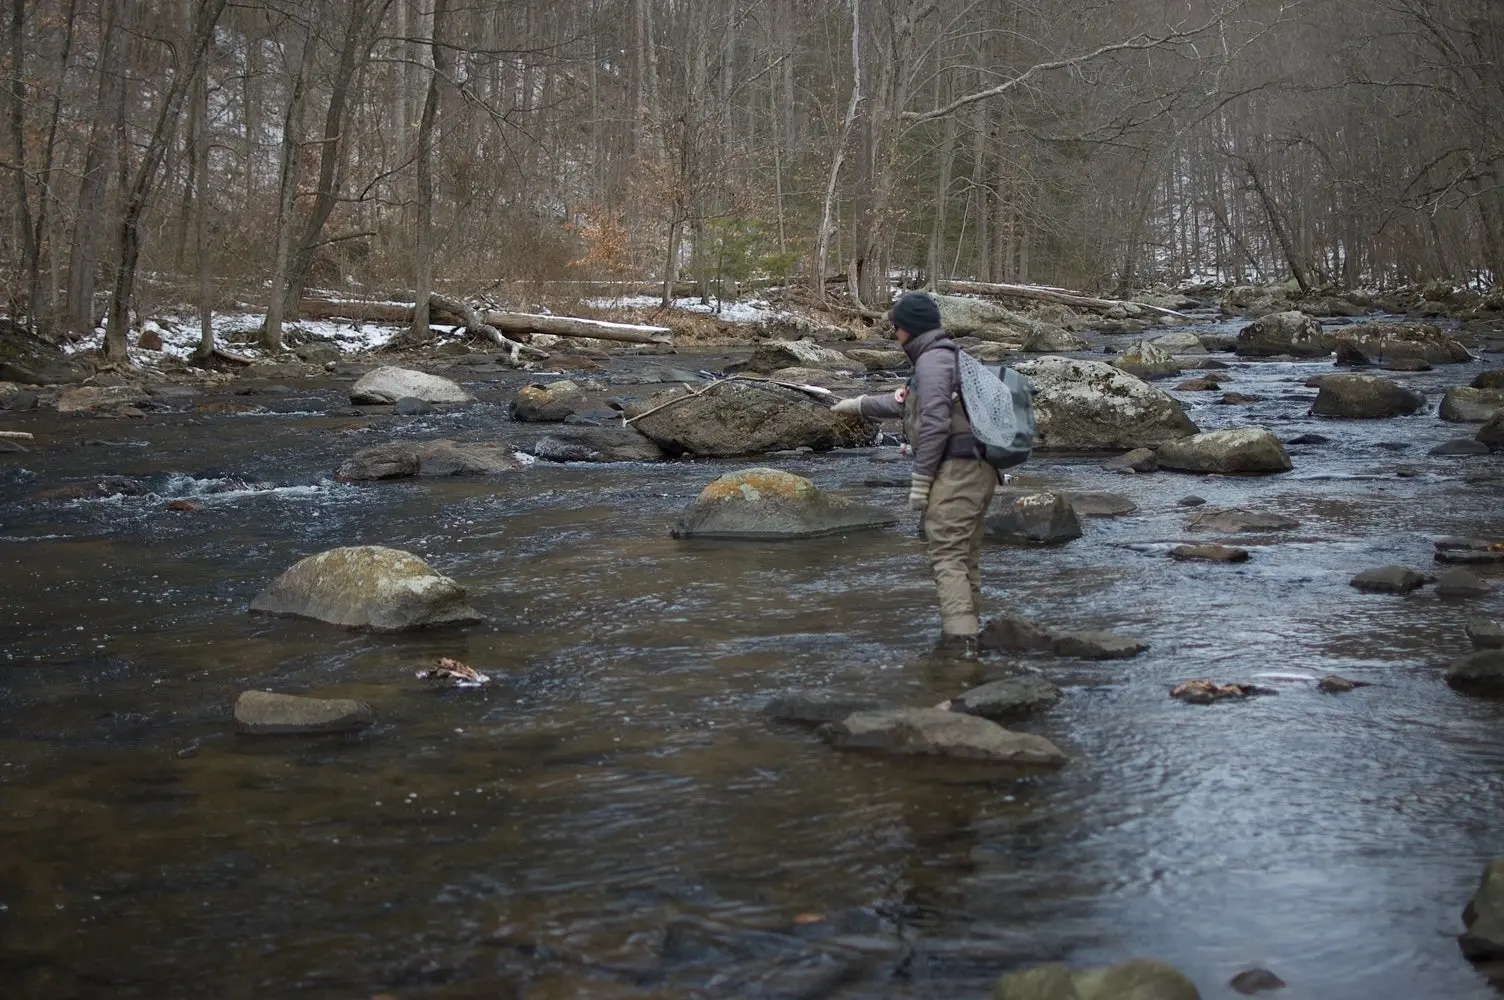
(809, 918)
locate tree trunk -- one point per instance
(201, 217)
(139, 192)
(29, 260)
(827, 210)
(45, 314)
(88, 217)
(292, 130)
(423, 278)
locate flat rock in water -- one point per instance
(595, 444)
(816, 707)
(442, 457)
(1135, 979)
(1091, 406)
(1333, 684)
(1480, 672)
(1009, 698)
(745, 418)
(1461, 583)
(1485, 634)
(389, 384)
(1463, 447)
(1040, 519)
(764, 504)
(1232, 522)
(1466, 405)
(262, 713)
(1364, 397)
(1483, 941)
(935, 732)
(879, 361)
(771, 355)
(1013, 634)
(1209, 553)
(94, 399)
(367, 586)
(1096, 645)
(1137, 460)
(411, 406)
(1248, 450)
(1097, 503)
(1388, 580)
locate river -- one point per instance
(613, 816)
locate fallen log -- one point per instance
(476, 326)
(502, 322)
(1047, 295)
(568, 326)
(16, 435)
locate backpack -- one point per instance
(999, 404)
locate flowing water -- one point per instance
(613, 817)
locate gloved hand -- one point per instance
(919, 491)
(853, 405)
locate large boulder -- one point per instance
(366, 586)
(1485, 634)
(263, 713)
(389, 384)
(31, 360)
(1483, 941)
(1480, 672)
(1044, 338)
(939, 733)
(1254, 300)
(1143, 360)
(1283, 333)
(1492, 379)
(1244, 450)
(879, 361)
(770, 504)
(1038, 519)
(1135, 979)
(1364, 397)
(772, 355)
(547, 402)
(1492, 432)
(1396, 343)
(1091, 406)
(1181, 342)
(1465, 405)
(1388, 580)
(744, 418)
(963, 317)
(402, 459)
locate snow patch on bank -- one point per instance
(749, 311)
(180, 336)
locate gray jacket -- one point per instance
(934, 419)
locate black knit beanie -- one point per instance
(916, 312)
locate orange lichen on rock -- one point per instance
(753, 483)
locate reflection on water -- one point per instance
(612, 817)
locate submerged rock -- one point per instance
(1480, 672)
(1205, 692)
(1333, 684)
(547, 402)
(411, 406)
(1011, 633)
(816, 707)
(595, 444)
(1011, 697)
(1466, 405)
(1209, 553)
(1389, 580)
(1364, 397)
(1232, 522)
(1248, 450)
(1464, 447)
(1090, 406)
(1096, 645)
(1041, 519)
(1461, 583)
(758, 504)
(1252, 981)
(367, 586)
(771, 355)
(1135, 979)
(1283, 333)
(1485, 634)
(389, 384)
(402, 459)
(936, 732)
(744, 418)
(262, 713)
(1144, 360)
(1483, 917)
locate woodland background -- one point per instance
(200, 150)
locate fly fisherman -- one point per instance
(952, 485)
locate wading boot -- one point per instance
(961, 647)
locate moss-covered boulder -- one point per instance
(744, 418)
(367, 586)
(770, 504)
